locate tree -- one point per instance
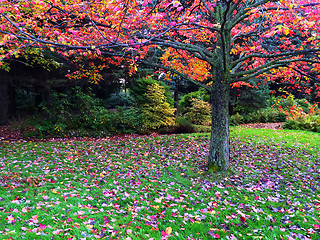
(156, 111)
(231, 41)
(29, 70)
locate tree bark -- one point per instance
(219, 153)
(176, 96)
(12, 104)
(3, 99)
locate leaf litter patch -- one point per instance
(156, 187)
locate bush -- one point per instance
(185, 103)
(121, 98)
(309, 122)
(236, 119)
(202, 129)
(139, 88)
(304, 104)
(156, 111)
(266, 115)
(293, 108)
(243, 110)
(125, 121)
(199, 112)
(82, 115)
(182, 125)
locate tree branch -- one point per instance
(93, 23)
(284, 54)
(306, 75)
(243, 14)
(208, 9)
(286, 8)
(186, 77)
(266, 67)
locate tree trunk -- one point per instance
(12, 95)
(219, 152)
(3, 99)
(176, 96)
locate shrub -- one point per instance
(309, 122)
(236, 119)
(185, 103)
(304, 104)
(82, 115)
(202, 129)
(266, 115)
(182, 125)
(293, 108)
(125, 121)
(243, 110)
(120, 99)
(157, 112)
(139, 88)
(199, 113)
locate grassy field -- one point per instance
(155, 187)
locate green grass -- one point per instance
(156, 187)
(288, 138)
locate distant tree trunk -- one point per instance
(43, 94)
(12, 95)
(176, 96)
(3, 98)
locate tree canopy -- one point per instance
(213, 43)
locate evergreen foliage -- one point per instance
(186, 102)
(156, 111)
(120, 98)
(81, 114)
(139, 88)
(245, 99)
(199, 113)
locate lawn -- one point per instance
(155, 187)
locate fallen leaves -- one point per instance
(149, 187)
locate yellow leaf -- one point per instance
(89, 226)
(168, 230)
(215, 229)
(286, 31)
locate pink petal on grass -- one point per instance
(215, 235)
(42, 227)
(58, 231)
